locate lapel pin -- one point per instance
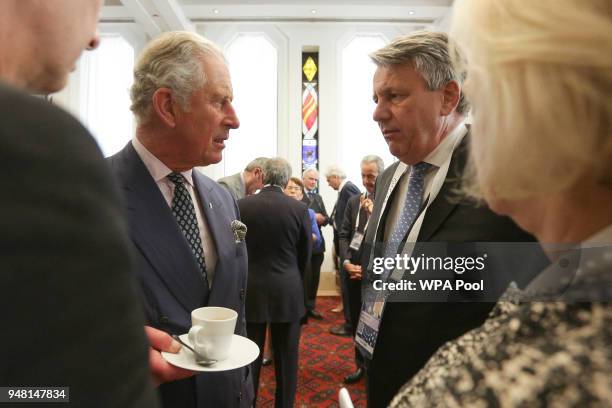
(210, 205)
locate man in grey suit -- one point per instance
(179, 220)
(421, 113)
(246, 182)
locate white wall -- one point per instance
(291, 38)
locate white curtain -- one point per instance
(360, 135)
(253, 63)
(105, 78)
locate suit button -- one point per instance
(164, 319)
(242, 294)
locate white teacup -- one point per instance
(212, 331)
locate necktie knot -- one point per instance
(176, 178)
(419, 170)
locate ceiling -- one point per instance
(161, 15)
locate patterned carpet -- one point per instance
(325, 360)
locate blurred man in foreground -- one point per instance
(73, 318)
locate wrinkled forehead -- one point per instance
(311, 174)
(216, 72)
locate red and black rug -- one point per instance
(325, 360)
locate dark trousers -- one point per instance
(343, 277)
(354, 297)
(344, 289)
(312, 281)
(285, 345)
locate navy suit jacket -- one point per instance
(279, 241)
(170, 279)
(348, 190)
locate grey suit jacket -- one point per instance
(170, 280)
(71, 316)
(234, 185)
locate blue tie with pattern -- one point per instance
(372, 306)
(184, 212)
(412, 205)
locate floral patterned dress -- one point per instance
(528, 354)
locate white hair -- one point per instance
(540, 78)
(172, 60)
(335, 171)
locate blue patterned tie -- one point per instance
(412, 205)
(184, 212)
(368, 333)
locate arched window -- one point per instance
(253, 63)
(360, 135)
(106, 76)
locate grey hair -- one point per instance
(259, 162)
(429, 54)
(277, 171)
(308, 170)
(172, 60)
(335, 171)
(372, 158)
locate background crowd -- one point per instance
(103, 260)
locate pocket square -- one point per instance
(239, 230)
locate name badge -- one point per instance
(356, 242)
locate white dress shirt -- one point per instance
(159, 171)
(440, 158)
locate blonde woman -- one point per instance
(539, 76)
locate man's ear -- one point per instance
(164, 106)
(451, 94)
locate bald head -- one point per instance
(42, 40)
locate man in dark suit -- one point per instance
(71, 318)
(314, 201)
(246, 182)
(420, 111)
(356, 217)
(279, 244)
(336, 178)
(180, 221)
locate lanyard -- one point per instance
(365, 195)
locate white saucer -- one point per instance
(243, 351)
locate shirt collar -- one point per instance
(603, 236)
(342, 184)
(156, 167)
(444, 150)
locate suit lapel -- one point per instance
(446, 200)
(155, 232)
(222, 236)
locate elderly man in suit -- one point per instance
(180, 221)
(314, 201)
(352, 231)
(246, 182)
(420, 110)
(279, 243)
(72, 317)
(336, 178)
